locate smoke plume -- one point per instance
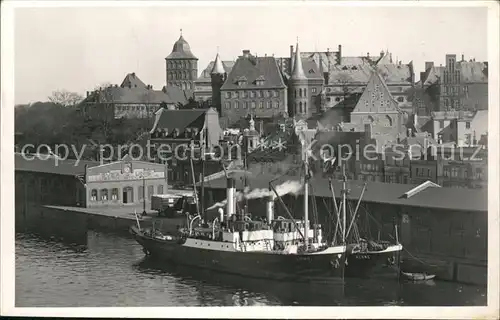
(287, 187)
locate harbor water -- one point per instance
(106, 270)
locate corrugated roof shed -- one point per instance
(379, 192)
(51, 165)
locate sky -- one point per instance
(77, 49)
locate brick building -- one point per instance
(181, 66)
(458, 85)
(132, 99)
(172, 134)
(203, 85)
(344, 75)
(253, 86)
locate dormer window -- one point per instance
(344, 68)
(195, 132)
(354, 68)
(187, 133)
(176, 132)
(241, 81)
(311, 71)
(260, 80)
(165, 132)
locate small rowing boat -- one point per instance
(418, 276)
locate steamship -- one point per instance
(278, 249)
(365, 256)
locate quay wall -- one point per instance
(451, 245)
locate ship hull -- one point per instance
(374, 263)
(327, 267)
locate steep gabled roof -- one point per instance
(205, 75)
(470, 72)
(178, 119)
(252, 68)
(376, 97)
(132, 81)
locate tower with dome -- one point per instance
(181, 66)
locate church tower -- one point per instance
(218, 76)
(298, 87)
(181, 66)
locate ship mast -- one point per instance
(306, 200)
(344, 198)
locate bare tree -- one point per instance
(65, 98)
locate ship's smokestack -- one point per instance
(221, 215)
(270, 207)
(231, 191)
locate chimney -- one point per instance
(462, 57)
(368, 54)
(415, 120)
(291, 52)
(88, 93)
(339, 55)
(231, 193)
(368, 132)
(133, 74)
(428, 65)
(246, 53)
(270, 207)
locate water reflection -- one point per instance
(245, 291)
(108, 270)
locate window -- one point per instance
(259, 94)
(93, 195)
(245, 105)
(237, 94)
(253, 104)
(141, 193)
(269, 106)
(228, 95)
(454, 172)
(441, 124)
(467, 125)
(401, 99)
(236, 104)
(446, 171)
(114, 194)
(261, 105)
(446, 102)
(457, 104)
(336, 99)
(228, 105)
(276, 105)
(252, 94)
(104, 194)
(160, 189)
(151, 190)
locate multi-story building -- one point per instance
(344, 76)
(203, 85)
(132, 99)
(459, 85)
(181, 66)
(463, 128)
(304, 87)
(377, 107)
(254, 86)
(171, 137)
